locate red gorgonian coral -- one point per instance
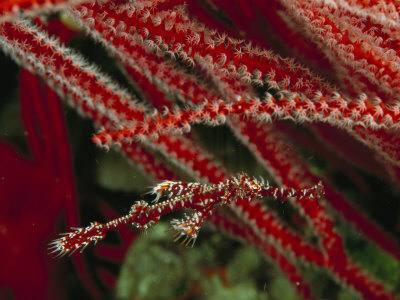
(223, 70)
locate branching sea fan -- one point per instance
(288, 79)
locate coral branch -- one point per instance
(13, 9)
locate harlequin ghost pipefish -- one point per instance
(200, 198)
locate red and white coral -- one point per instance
(219, 79)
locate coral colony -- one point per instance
(194, 73)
